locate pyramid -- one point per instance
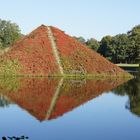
(48, 51)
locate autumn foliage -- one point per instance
(34, 55)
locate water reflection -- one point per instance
(132, 89)
(48, 99)
(4, 102)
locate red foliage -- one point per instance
(34, 53)
(80, 54)
(36, 57)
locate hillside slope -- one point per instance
(48, 51)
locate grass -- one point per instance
(12, 83)
(70, 64)
(128, 65)
(71, 76)
(9, 67)
(9, 83)
(91, 76)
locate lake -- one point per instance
(70, 109)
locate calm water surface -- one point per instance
(58, 109)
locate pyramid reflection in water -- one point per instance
(48, 99)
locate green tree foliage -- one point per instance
(9, 33)
(80, 39)
(119, 47)
(122, 48)
(90, 43)
(115, 48)
(105, 48)
(93, 44)
(134, 45)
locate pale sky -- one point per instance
(87, 18)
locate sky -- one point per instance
(87, 18)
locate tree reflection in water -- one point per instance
(132, 89)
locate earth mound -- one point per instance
(48, 51)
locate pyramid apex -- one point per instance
(42, 26)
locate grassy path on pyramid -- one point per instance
(54, 48)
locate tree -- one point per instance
(9, 33)
(120, 48)
(134, 46)
(93, 44)
(80, 39)
(105, 47)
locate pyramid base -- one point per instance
(77, 76)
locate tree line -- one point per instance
(122, 48)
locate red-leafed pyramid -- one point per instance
(49, 51)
